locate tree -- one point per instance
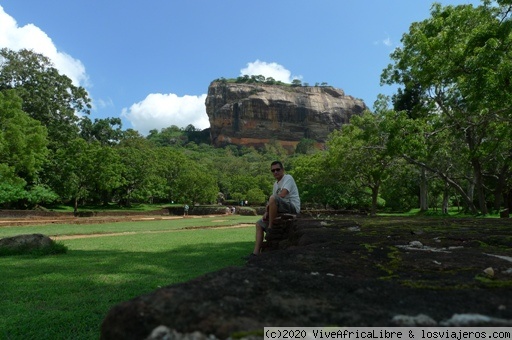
(305, 146)
(360, 153)
(105, 177)
(74, 171)
(196, 185)
(106, 131)
(460, 62)
(23, 140)
(48, 96)
(169, 136)
(256, 196)
(314, 180)
(139, 171)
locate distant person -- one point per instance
(185, 210)
(284, 199)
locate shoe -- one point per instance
(250, 256)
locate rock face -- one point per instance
(254, 114)
(350, 272)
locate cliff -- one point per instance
(254, 114)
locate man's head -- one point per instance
(277, 169)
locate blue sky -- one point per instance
(150, 62)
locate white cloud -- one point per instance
(386, 42)
(33, 38)
(274, 70)
(158, 111)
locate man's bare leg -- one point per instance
(259, 240)
(272, 211)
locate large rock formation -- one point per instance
(351, 271)
(254, 114)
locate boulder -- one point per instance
(26, 242)
(254, 114)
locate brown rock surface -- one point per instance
(254, 114)
(343, 272)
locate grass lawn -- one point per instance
(67, 296)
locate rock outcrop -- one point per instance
(26, 242)
(254, 114)
(339, 272)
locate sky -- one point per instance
(151, 62)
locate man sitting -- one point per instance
(284, 199)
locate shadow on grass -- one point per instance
(67, 296)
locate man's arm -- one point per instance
(283, 193)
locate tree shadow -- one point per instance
(85, 284)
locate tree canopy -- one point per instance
(442, 139)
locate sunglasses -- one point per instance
(275, 170)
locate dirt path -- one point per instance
(34, 221)
(77, 236)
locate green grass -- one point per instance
(132, 226)
(110, 207)
(67, 296)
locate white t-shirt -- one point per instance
(288, 183)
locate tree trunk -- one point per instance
(423, 190)
(75, 207)
(446, 196)
(499, 190)
(375, 196)
(479, 186)
(448, 180)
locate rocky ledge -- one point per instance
(341, 272)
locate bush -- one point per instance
(247, 211)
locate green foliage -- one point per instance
(105, 131)
(361, 154)
(306, 146)
(22, 139)
(41, 194)
(256, 196)
(12, 188)
(196, 185)
(400, 191)
(455, 68)
(447, 136)
(48, 96)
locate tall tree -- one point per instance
(23, 140)
(360, 150)
(106, 131)
(138, 168)
(47, 95)
(460, 59)
(22, 152)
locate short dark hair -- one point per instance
(277, 162)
